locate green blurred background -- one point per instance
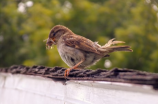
(24, 24)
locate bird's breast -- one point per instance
(69, 55)
(72, 56)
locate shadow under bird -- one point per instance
(77, 51)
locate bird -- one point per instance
(77, 51)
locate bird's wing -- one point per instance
(81, 43)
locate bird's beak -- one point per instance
(53, 39)
(49, 43)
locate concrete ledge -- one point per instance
(27, 89)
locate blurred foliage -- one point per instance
(133, 21)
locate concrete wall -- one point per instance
(24, 89)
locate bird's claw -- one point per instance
(67, 71)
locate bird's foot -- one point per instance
(67, 71)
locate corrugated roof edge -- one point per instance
(114, 75)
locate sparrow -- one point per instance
(77, 51)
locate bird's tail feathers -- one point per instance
(108, 48)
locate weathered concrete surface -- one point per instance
(28, 89)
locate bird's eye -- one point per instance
(53, 33)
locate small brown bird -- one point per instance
(79, 52)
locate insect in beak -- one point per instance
(49, 43)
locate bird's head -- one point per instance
(54, 35)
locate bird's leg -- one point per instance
(78, 68)
(74, 67)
